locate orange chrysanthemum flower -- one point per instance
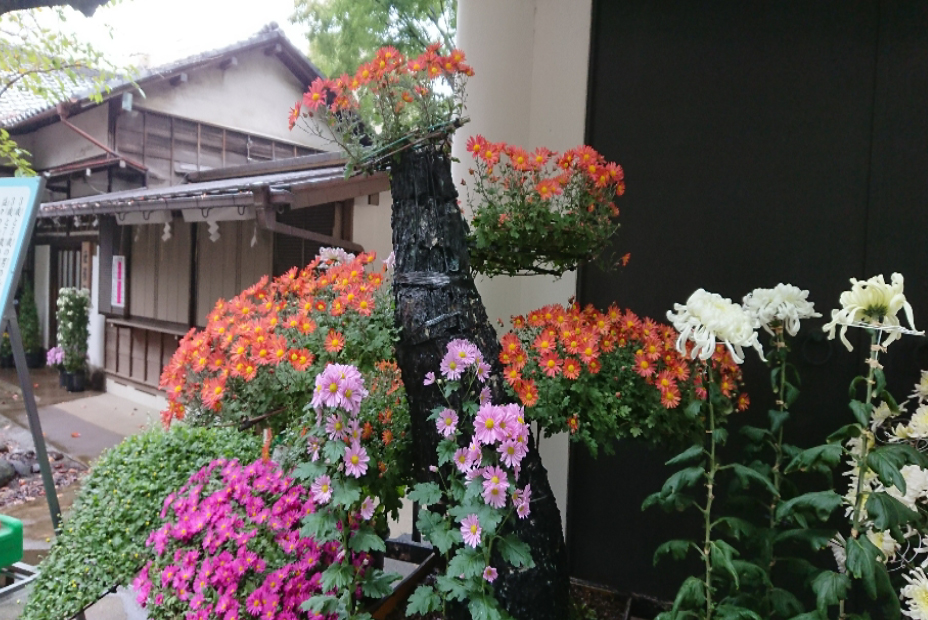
(334, 341)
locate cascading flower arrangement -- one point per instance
(391, 103)
(539, 212)
(479, 457)
(230, 547)
(260, 352)
(607, 375)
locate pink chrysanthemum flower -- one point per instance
(484, 396)
(322, 490)
(486, 425)
(367, 508)
(471, 530)
(335, 427)
(461, 460)
(429, 378)
(447, 422)
(313, 445)
(521, 500)
(482, 371)
(512, 452)
(451, 367)
(356, 460)
(490, 574)
(328, 391)
(464, 351)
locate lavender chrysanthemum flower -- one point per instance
(464, 351)
(451, 367)
(335, 427)
(367, 508)
(490, 574)
(429, 378)
(322, 489)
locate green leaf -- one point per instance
(446, 450)
(452, 588)
(423, 601)
(483, 607)
(733, 612)
(887, 597)
(815, 538)
(830, 588)
(690, 454)
(692, 410)
(886, 464)
(880, 378)
(721, 554)
(443, 537)
(792, 393)
(745, 474)
(337, 576)
(861, 411)
(691, 595)
(346, 493)
(429, 521)
(739, 528)
(819, 458)
(720, 435)
(819, 503)
(844, 433)
(887, 512)
(784, 603)
(320, 525)
(676, 548)
(366, 539)
(321, 604)
(378, 584)
(777, 419)
(681, 480)
(426, 493)
(308, 471)
(466, 562)
(515, 551)
(862, 555)
(754, 433)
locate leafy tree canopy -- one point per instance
(87, 7)
(44, 64)
(344, 33)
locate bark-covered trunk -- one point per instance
(436, 302)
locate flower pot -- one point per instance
(62, 378)
(76, 381)
(35, 359)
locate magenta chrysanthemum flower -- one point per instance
(322, 490)
(471, 530)
(356, 460)
(490, 574)
(447, 422)
(367, 508)
(429, 378)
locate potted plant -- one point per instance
(73, 319)
(55, 359)
(29, 327)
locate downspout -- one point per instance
(266, 217)
(62, 114)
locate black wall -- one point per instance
(762, 142)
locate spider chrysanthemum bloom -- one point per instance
(915, 595)
(871, 302)
(784, 303)
(707, 318)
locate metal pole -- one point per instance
(35, 425)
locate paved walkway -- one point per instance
(81, 425)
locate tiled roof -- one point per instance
(18, 106)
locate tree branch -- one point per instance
(38, 70)
(87, 7)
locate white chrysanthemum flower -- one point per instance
(709, 317)
(921, 388)
(885, 542)
(837, 546)
(871, 302)
(916, 486)
(784, 303)
(915, 595)
(917, 428)
(880, 414)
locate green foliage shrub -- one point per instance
(29, 320)
(102, 542)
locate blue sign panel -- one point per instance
(19, 203)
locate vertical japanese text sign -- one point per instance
(19, 203)
(118, 288)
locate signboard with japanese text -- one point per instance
(118, 290)
(19, 203)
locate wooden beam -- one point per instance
(311, 194)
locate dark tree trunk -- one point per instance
(436, 302)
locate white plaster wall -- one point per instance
(253, 97)
(97, 327)
(42, 270)
(58, 144)
(372, 227)
(531, 60)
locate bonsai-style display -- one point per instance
(28, 318)
(73, 317)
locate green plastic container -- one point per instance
(11, 540)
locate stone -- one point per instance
(22, 467)
(7, 473)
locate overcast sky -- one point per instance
(166, 30)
